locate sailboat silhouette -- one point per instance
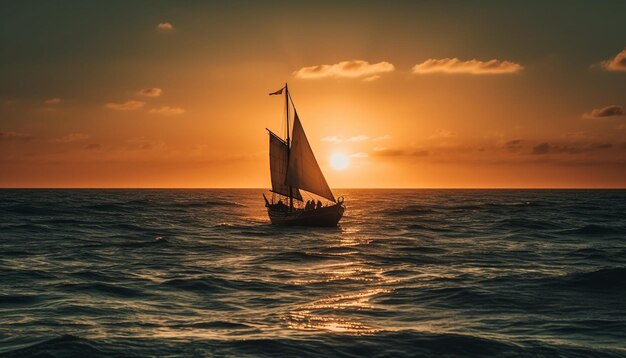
(293, 169)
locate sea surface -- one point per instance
(407, 273)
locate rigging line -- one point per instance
(292, 104)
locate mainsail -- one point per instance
(303, 172)
(278, 167)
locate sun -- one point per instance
(339, 161)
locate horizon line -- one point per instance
(358, 188)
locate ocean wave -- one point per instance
(605, 279)
(131, 227)
(428, 228)
(14, 253)
(411, 210)
(523, 223)
(194, 285)
(36, 228)
(206, 204)
(102, 289)
(297, 256)
(590, 254)
(111, 208)
(218, 285)
(405, 343)
(164, 273)
(423, 249)
(594, 230)
(64, 346)
(19, 300)
(159, 240)
(28, 210)
(216, 325)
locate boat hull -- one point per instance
(327, 216)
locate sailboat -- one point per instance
(294, 170)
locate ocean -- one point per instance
(407, 273)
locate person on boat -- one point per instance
(319, 204)
(280, 205)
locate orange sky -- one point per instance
(416, 94)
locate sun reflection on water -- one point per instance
(326, 314)
(350, 285)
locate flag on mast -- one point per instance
(280, 91)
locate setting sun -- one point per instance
(339, 161)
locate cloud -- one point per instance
(359, 155)
(371, 78)
(168, 111)
(335, 139)
(345, 69)
(126, 106)
(513, 145)
(542, 148)
(52, 101)
(357, 138)
(617, 63)
(14, 136)
(604, 112)
(474, 67)
(142, 143)
(387, 152)
(165, 26)
(545, 148)
(390, 152)
(72, 137)
(575, 135)
(382, 137)
(150, 92)
(92, 146)
(442, 133)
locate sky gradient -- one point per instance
(523, 94)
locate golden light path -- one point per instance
(338, 312)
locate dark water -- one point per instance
(419, 272)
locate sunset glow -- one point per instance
(413, 94)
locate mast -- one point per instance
(288, 147)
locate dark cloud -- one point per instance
(14, 136)
(150, 92)
(513, 145)
(93, 146)
(420, 153)
(601, 146)
(72, 137)
(604, 112)
(542, 148)
(386, 152)
(545, 148)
